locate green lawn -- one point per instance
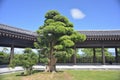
(67, 75)
(95, 75)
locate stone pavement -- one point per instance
(5, 69)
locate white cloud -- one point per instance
(77, 13)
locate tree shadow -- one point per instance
(33, 72)
(21, 74)
(59, 71)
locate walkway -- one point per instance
(65, 67)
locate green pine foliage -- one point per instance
(26, 60)
(4, 58)
(57, 33)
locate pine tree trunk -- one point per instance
(51, 67)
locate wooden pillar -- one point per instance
(94, 55)
(116, 55)
(11, 53)
(74, 57)
(103, 55)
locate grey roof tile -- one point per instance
(18, 30)
(88, 33)
(101, 33)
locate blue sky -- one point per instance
(84, 14)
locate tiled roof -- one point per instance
(101, 33)
(17, 30)
(87, 33)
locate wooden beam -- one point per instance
(103, 55)
(74, 54)
(94, 55)
(116, 55)
(11, 53)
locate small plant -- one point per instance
(26, 60)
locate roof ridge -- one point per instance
(15, 27)
(7, 27)
(98, 30)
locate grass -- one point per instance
(67, 75)
(95, 75)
